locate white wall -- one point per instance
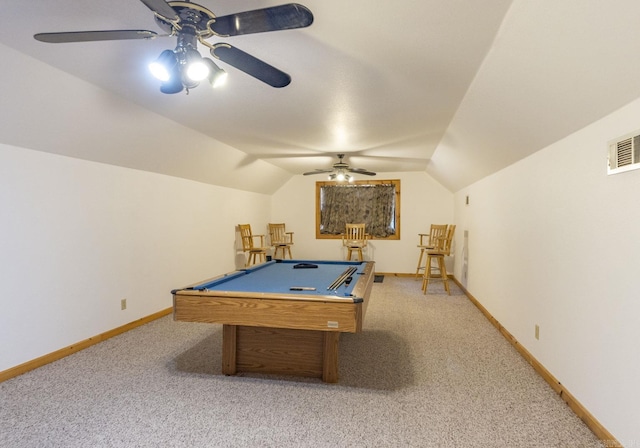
(77, 236)
(554, 241)
(423, 201)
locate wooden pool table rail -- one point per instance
(278, 313)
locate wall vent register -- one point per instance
(624, 153)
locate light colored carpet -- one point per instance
(427, 371)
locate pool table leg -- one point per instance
(330, 343)
(330, 357)
(229, 349)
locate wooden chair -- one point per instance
(280, 239)
(428, 241)
(249, 247)
(355, 239)
(437, 255)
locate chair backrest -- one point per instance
(436, 234)
(246, 235)
(447, 241)
(355, 233)
(277, 233)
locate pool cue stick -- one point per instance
(343, 278)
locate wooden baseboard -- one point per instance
(591, 422)
(396, 274)
(59, 354)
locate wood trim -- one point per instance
(395, 274)
(592, 423)
(81, 345)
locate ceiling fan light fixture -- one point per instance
(163, 67)
(173, 85)
(341, 170)
(196, 68)
(217, 76)
(192, 24)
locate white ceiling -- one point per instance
(459, 88)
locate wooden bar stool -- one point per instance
(355, 239)
(428, 242)
(436, 268)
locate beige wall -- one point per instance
(79, 236)
(553, 241)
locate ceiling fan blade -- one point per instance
(250, 65)
(283, 17)
(162, 8)
(361, 171)
(318, 171)
(90, 36)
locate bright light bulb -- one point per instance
(161, 67)
(221, 80)
(159, 71)
(197, 70)
(340, 177)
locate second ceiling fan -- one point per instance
(191, 23)
(341, 170)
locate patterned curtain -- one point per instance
(373, 205)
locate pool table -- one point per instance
(282, 316)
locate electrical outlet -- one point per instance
(537, 331)
(123, 304)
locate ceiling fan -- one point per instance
(340, 171)
(191, 23)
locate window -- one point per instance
(376, 203)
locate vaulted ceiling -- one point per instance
(456, 88)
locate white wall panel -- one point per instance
(553, 242)
(77, 237)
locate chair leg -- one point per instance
(288, 250)
(427, 274)
(419, 262)
(443, 274)
(359, 254)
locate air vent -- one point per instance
(624, 153)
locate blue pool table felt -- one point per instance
(279, 276)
